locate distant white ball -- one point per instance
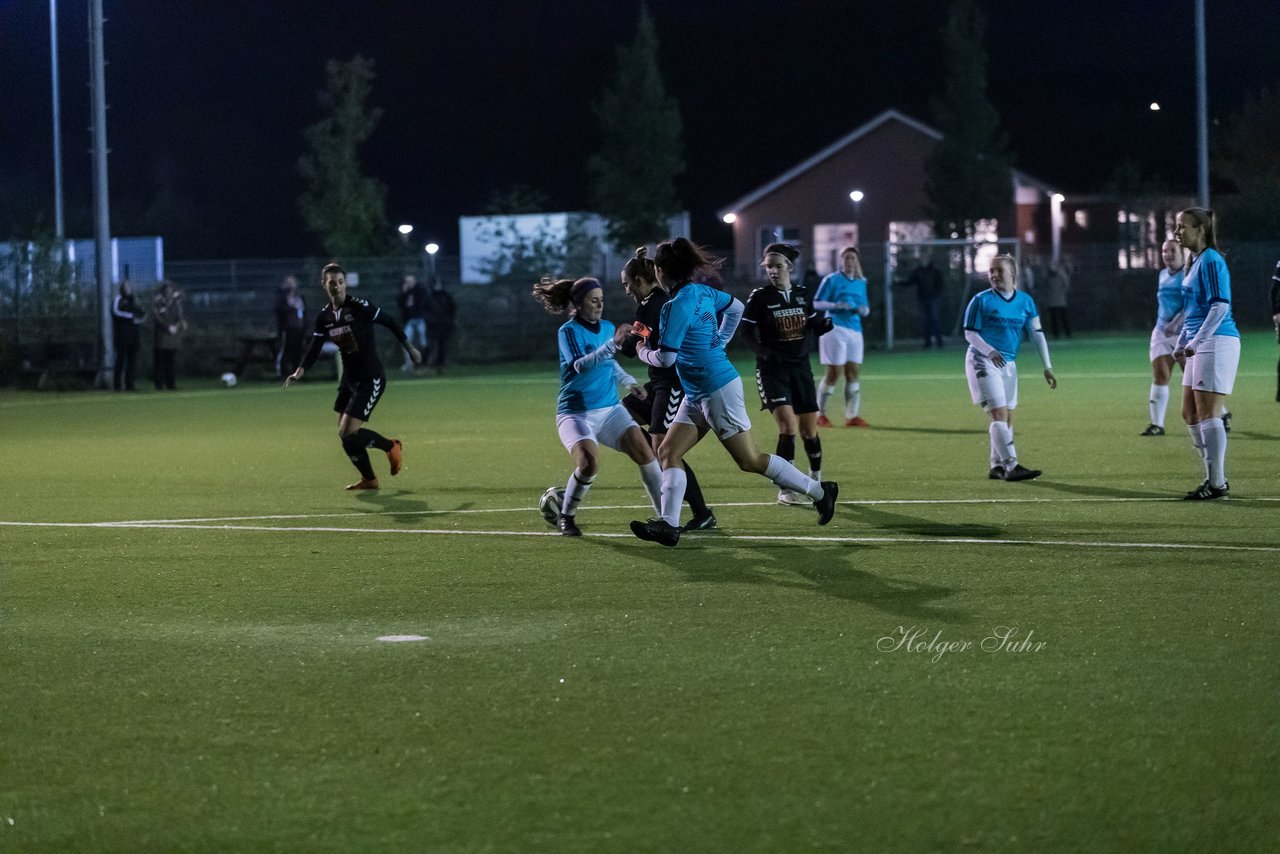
(550, 503)
(229, 379)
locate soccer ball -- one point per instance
(550, 503)
(229, 379)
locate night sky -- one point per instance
(208, 100)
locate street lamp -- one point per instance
(729, 218)
(405, 230)
(431, 249)
(856, 197)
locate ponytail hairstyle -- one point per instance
(679, 260)
(556, 295)
(857, 261)
(640, 266)
(332, 267)
(1012, 262)
(1205, 218)
(786, 250)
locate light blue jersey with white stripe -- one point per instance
(691, 330)
(1207, 281)
(1168, 296)
(1000, 319)
(837, 287)
(594, 388)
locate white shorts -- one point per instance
(1214, 367)
(1161, 344)
(840, 346)
(991, 387)
(602, 426)
(724, 411)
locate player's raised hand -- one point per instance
(620, 334)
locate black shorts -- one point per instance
(357, 398)
(657, 411)
(786, 385)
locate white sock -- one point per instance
(786, 476)
(824, 395)
(574, 491)
(1002, 448)
(852, 399)
(651, 474)
(1214, 434)
(1158, 403)
(1197, 441)
(674, 481)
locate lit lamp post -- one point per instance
(431, 249)
(856, 197)
(405, 230)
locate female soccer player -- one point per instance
(1208, 347)
(588, 413)
(993, 325)
(843, 296)
(778, 318)
(659, 406)
(1164, 337)
(348, 322)
(696, 323)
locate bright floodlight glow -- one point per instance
(405, 229)
(1059, 198)
(730, 218)
(432, 248)
(1155, 107)
(856, 195)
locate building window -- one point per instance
(828, 241)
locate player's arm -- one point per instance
(730, 316)
(382, 318)
(1042, 344)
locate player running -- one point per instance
(348, 322)
(778, 318)
(993, 325)
(588, 411)
(696, 324)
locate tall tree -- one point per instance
(968, 172)
(1249, 158)
(341, 205)
(633, 176)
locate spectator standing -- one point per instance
(412, 302)
(441, 311)
(127, 315)
(1054, 291)
(169, 324)
(929, 284)
(291, 326)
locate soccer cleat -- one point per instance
(996, 473)
(1206, 492)
(856, 421)
(827, 503)
(1226, 421)
(705, 522)
(1152, 430)
(1021, 472)
(396, 457)
(823, 420)
(657, 531)
(793, 499)
(367, 483)
(569, 527)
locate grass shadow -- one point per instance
(937, 431)
(885, 520)
(1094, 490)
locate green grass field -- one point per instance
(190, 608)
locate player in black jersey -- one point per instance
(348, 322)
(664, 394)
(777, 321)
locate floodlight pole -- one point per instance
(58, 225)
(101, 221)
(1202, 109)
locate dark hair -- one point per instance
(1206, 219)
(558, 294)
(679, 260)
(332, 267)
(639, 266)
(786, 250)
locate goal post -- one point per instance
(962, 262)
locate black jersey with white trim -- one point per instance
(779, 322)
(649, 312)
(350, 327)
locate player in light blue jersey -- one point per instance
(843, 296)
(697, 322)
(1164, 337)
(1208, 347)
(993, 325)
(588, 411)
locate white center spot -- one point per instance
(402, 638)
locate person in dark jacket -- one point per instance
(168, 324)
(127, 315)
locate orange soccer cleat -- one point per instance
(368, 483)
(856, 421)
(824, 421)
(396, 457)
